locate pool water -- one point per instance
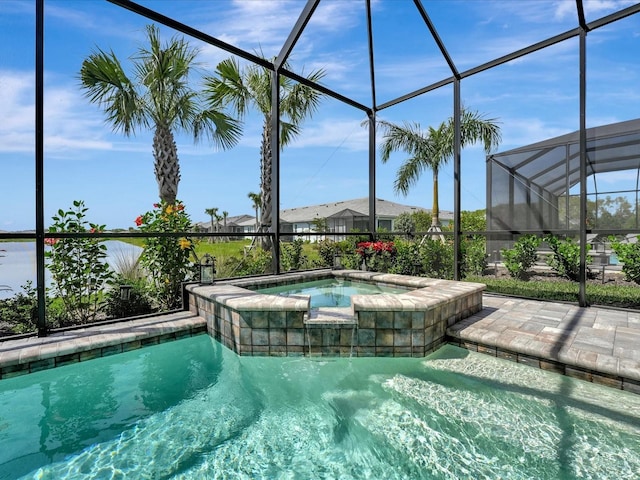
(192, 409)
(332, 292)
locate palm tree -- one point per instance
(257, 203)
(158, 97)
(225, 215)
(218, 218)
(212, 212)
(433, 148)
(240, 89)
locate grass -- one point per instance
(622, 296)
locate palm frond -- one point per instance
(106, 84)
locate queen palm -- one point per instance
(243, 88)
(433, 148)
(212, 212)
(255, 199)
(225, 215)
(159, 97)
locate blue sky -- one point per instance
(532, 98)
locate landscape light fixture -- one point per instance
(125, 292)
(207, 269)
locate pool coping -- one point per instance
(32, 354)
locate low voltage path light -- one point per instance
(125, 292)
(337, 261)
(207, 269)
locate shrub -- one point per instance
(519, 259)
(436, 259)
(258, 262)
(78, 266)
(20, 311)
(406, 224)
(407, 259)
(474, 255)
(166, 259)
(291, 255)
(565, 259)
(611, 295)
(351, 261)
(629, 255)
(139, 302)
(327, 249)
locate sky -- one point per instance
(531, 98)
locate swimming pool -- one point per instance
(331, 292)
(192, 409)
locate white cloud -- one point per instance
(343, 134)
(518, 132)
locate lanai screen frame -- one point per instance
(547, 171)
(277, 69)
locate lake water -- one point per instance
(18, 263)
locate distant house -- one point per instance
(237, 224)
(347, 215)
(342, 216)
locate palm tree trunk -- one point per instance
(265, 182)
(435, 210)
(166, 167)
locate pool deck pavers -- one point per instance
(597, 344)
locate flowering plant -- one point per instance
(376, 255)
(166, 258)
(366, 249)
(78, 266)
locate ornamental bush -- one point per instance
(291, 255)
(565, 259)
(377, 256)
(406, 224)
(20, 311)
(519, 259)
(407, 260)
(78, 266)
(166, 259)
(436, 259)
(629, 255)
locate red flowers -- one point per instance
(139, 220)
(368, 248)
(50, 241)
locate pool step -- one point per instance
(331, 316)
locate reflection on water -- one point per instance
(18, 263)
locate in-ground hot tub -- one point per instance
(412, 323)
(331, 292)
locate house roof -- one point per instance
(358, 207)
(347, 208)
(235, 221)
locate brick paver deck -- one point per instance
(596, 344)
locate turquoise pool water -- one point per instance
(331, 292)
(191, 409)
